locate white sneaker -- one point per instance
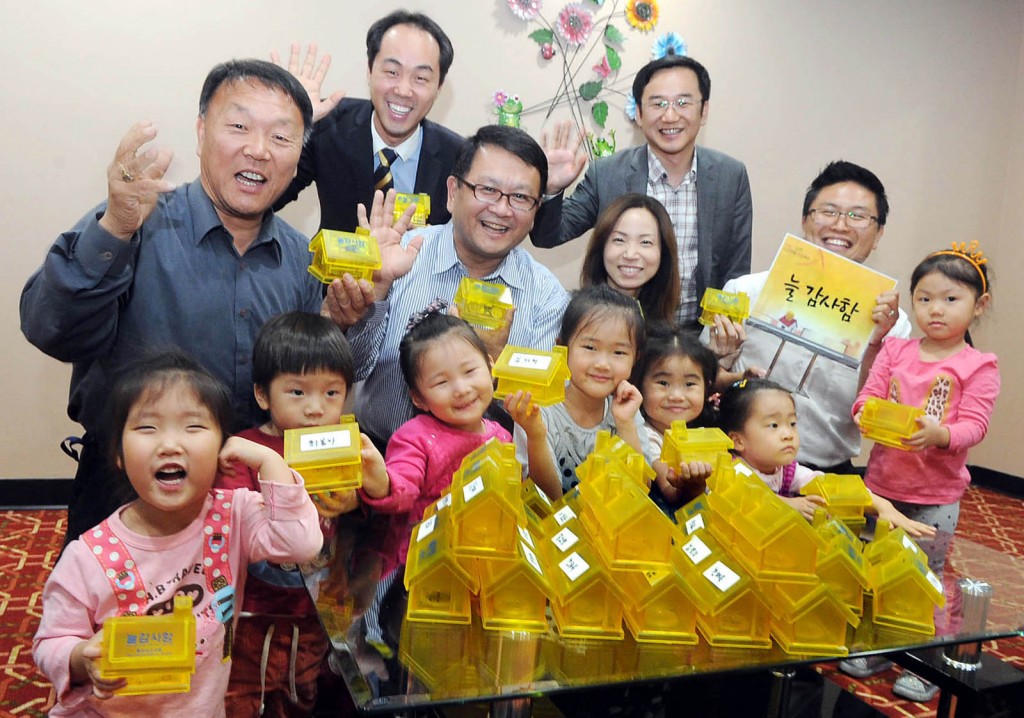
(914, 688)
(865, 666)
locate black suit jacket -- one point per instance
(339, 158)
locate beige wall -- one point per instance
(928, 93)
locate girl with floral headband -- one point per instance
(955, 384)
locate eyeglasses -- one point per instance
(855, 220)
(492, 195)
(681, 103)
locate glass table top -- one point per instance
(429, 664)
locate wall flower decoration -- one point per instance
(524, 9)
(583, 41)
(575, 22)
(630, 108)
(642, 14)
(668, 44)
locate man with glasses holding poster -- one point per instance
(844, 212)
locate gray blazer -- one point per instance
(724, 210)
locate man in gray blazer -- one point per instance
(706, 193)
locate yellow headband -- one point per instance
(973, 254)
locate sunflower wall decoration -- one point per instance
(583, 40)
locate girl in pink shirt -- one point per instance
(956, 385)
(179, 537)
(945, 375)
(448, 371)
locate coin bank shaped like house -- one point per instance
(904, 591)
(771, 539)
(486, 304)
(808, 618)
(629, 530)
(155, 654)
(420, 214)
(441, 584)
(326, 456)
(660, 606)
(336, 254)
(542, 373)
(514, 592)
(730, 611)
(841, 564)
(586, 601)
(888, 422)
(612, 457)
(436, 653)
(683, 445)
(846, 497)
(487, 504)
(733, 305)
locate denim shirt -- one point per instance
(98, 300)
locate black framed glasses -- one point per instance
(827, 215)
(492, 195)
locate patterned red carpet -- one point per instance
(986, 517)
(30, 542)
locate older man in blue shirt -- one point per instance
(200, 266)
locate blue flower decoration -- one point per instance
(668, 44)
(630, 107)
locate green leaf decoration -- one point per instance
(600, 113)
(614, 61)
(612, 34)
(542, 36)
(590, 90)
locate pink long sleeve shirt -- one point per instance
(421, 458)
(280, 524)
(959, 391)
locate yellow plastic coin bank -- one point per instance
(338, 253)
(157, 654)
(484, 303)
(326, 456)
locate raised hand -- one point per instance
(396, 260)
(566, 159)
(625, 403)
(311, 76)
(268, 463)
(135, 181)
(884, 314)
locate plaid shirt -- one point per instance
(681, 204)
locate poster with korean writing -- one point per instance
(820, 300)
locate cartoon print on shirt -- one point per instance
(192, 590)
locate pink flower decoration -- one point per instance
(500, 98)
(524, 9)
(602, 68)
(575, 23)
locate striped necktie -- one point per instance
(382, 178)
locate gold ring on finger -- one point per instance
(126, 176)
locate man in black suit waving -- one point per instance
(359, 146)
